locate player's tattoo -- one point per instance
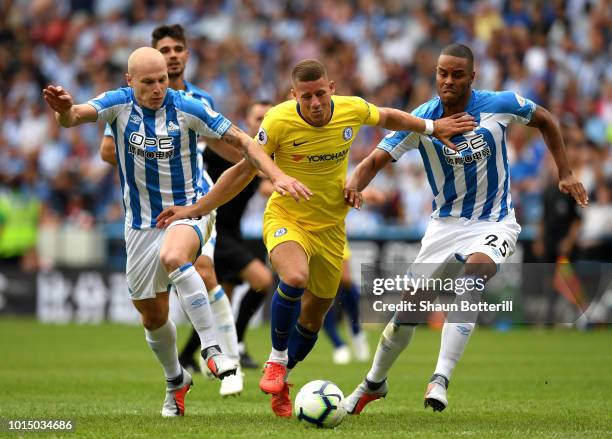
(235, 137)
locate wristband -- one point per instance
(429, 127)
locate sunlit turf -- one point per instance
(523, 383)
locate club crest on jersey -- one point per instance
(280, 232)
(262, 136)
(172, 127)
(347, 133)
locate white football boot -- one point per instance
(435, 395)
(362, 395)
(232, 385)
(174, 404)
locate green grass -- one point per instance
(523, 384)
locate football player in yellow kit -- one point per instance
(310, 138)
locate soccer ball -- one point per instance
(319, 403)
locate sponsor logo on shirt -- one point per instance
(160, 147)
(469, 151)
(280, 232)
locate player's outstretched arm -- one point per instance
(107, 150)
(443, 129)
(568, 184)
(223, 150)
(363, 175)
(229, 184)
(252, 152)
(67, 113)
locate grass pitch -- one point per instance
(523, 383)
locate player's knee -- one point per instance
(296, 278)
(153, 321)
(312, 324)
(209, 278)
(263, 282)
(172, 259)
(480, 265)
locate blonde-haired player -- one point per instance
(310, 138)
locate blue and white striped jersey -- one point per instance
(472, 182)
(205, 182)
(156, 150)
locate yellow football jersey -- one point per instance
(316, 156)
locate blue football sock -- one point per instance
(301, 343)
(330, 325)
(284, 313)
(349, 298)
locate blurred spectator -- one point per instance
(554, 52)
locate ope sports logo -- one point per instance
(150, 147)
(280, 232)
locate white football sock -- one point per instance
(279, 356)
(225, 325)
(393, 341)
(452, 344)
(162, 342)
(191, 292)
(456, 332)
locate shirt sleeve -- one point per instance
(396, 143)
(371, 116)
(109, 103)
(203, 119)
(519, 109)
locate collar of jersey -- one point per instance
(468, 107)
(297, 108)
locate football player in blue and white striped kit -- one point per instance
(172, 43)
(156, 130)
(473, 219)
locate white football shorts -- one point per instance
(448, 242)
(145, 274)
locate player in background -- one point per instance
(310, 139)
(235, 262)
(171, 42)
(473, 220)
(156, 128)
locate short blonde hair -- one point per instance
(308, 70)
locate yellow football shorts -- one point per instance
(324, 249)
(346, 256)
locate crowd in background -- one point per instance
(556, 53)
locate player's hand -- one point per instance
(58, 99)
(353, 197)
(174, 213)
(570, 185)
(450, 126)
(286, 184)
